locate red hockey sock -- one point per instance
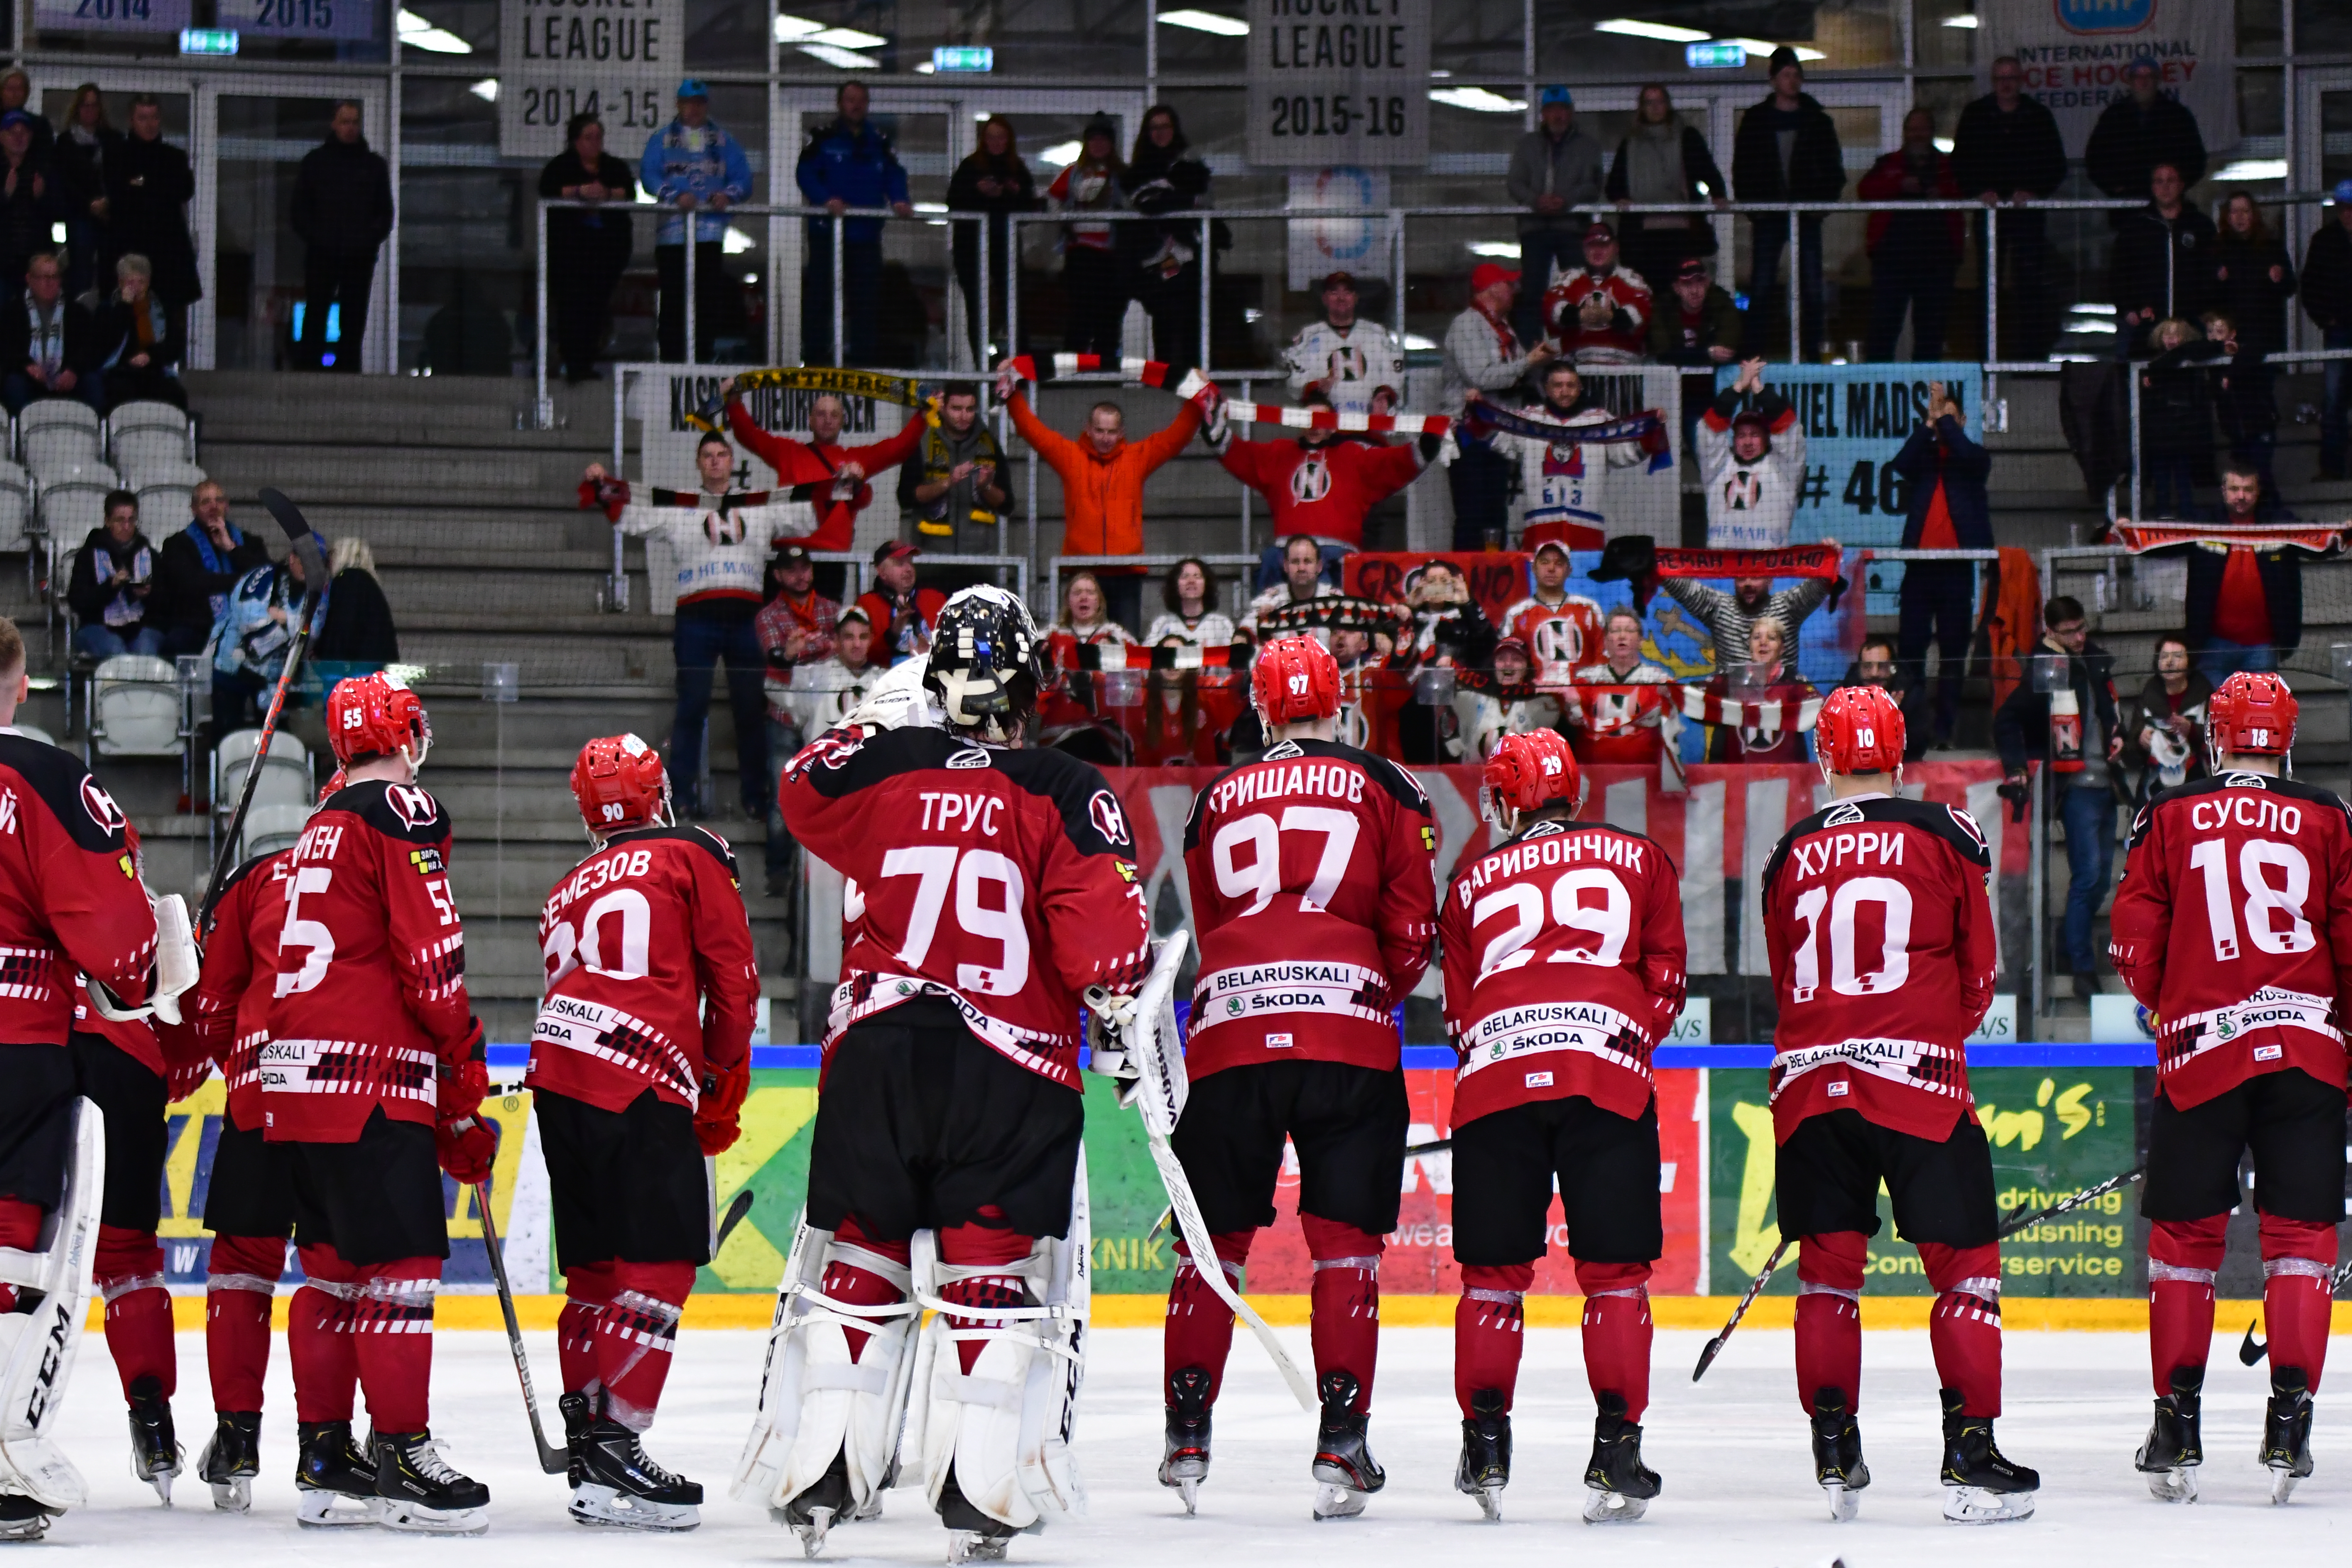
(587, 1291)
(1345, 1302)
(857, 1275)
(130, 1276)
(2183, 1256)
(20, 1228)
(241, 1278)
(636, 1336)
(1617, 1331)
(391, 1329)
(1489, 1321)
(1829, 1315)
(2298, 1258)
(1199, 1329)
(987, 1247)
(1964, 1326)
(320, 1345)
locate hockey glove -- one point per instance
(465, 1143)
(1110, 1017)
(186, 1063)
(719, 1118)
(2018, 795)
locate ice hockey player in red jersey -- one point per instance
(1313, 881)
(988, 886)
(639, 1064)
(249, 1200)
(1878, 927)
(372, 1076)
(70, 899)
(1564, 962)
(2233, 923)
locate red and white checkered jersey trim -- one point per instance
(861, 996)
(347, 1066)
(29, 974)
(619, 1038)
(2183, 1039)
(1914, 1064)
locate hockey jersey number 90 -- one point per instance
(1312, 878)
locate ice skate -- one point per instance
(1344, 1465)
(2175, 1445)
(155, 1454)
(1485, 1466)
(812, 1514)
(334, 1481)
(619, 1486)
(2286, 1431)
(232, 1460)
(1185, 1462)
(1837, 1453)
(22, 1519)
(416, 1489)
(1980, 1485)
(1617, 1486)
(972, 1536)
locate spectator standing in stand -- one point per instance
(2008, 148)
(82, 150)
(342, 211)
(2176, 414)
(587, 249)
(1563, 483)
(1483, 354)
(1102, 476)
(358, 626)
(831, 477)
(901, 613)
(1728, 616)
(695, 169)
(149, 184)
(1190, 618)
(795, 627)
(1751, 464)
(992, 179)
(48, 345)
(1302, 579)
(1559, 630)
(2078, 738)
(2163, 261)
(1913, 256)
(31, 196)
(194, 570)
(2327, 300)
(2253, 278)
(142, 338)
(2165, 722)
(113, 580)
(1356, 365)
(956, 486)
(822, 694)
(1947, 508)
(1770, 692)
(1696, 323)
(2137, 132)
(17, 92)
(1094, 285)
(1555, 170)
(2245, 602)
(1320, 482)
(1600, 313)
(1661, 161)
(1165, 178)
(1616, 726)
(1787, 149)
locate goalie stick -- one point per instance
(1159, 1098)
(304, 543)
(2009, 1228)
(555, 1461)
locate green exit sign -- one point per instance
(207, 41)
(963, 57)
(1715, 56)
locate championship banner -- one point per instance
(2076, 54)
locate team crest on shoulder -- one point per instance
(415, 807)
(1968, 825)
(1108, 818)
(100, 805)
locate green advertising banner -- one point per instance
(2054, 1131)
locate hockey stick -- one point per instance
(1435, 1146)
(2009, 1228)
(555, 1461)
(304, 543)
(2250, 1350)
(736, 1210)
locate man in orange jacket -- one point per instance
(830, 477)
(1102, 484)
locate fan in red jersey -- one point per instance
(370, 1076)
(639, 1064)
(988, 886)
(2233, 923)
(1312, 878)
(1878, 925)
(1564, 953)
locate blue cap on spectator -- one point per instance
(1559, 95)
(2344, 193)
(15, 117)
(693, 86)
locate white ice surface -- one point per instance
(1738, 1489)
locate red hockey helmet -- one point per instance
(1524, 773)
(372, 716)
(2252, 714)
(1295, 679)
(619, 784)
(1860, 731)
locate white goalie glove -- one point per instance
(177, 969)
(1111, 1024)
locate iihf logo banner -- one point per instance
(2076, 54)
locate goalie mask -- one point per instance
(2254, 714)
(986, 663)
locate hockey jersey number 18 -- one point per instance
(1312, 877)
